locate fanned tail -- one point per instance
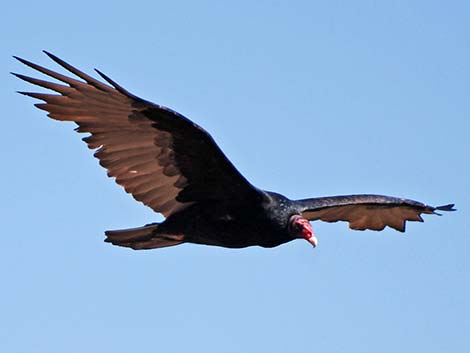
(140, 238)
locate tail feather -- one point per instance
(145, 237)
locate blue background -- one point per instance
(307, 98)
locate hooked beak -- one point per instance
(309, 235)
(313, 240)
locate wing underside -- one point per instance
(160, 157)
(373, 212)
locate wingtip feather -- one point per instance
(56, 59)
(118, 87)
(23, 61)
(111, 81)
(29, 94)
(52, 56)
(20, 76)
(449, 207)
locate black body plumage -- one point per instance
(174, 166)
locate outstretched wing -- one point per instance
(160, 157)
(373, 212)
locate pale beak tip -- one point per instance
(314, 241)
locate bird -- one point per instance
(172, 165)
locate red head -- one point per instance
(300, 227)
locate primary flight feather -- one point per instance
(172, 165)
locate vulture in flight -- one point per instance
(174, 166)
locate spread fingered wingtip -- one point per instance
(449, 207)
(446, 208)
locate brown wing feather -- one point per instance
(126, 148)
(374, 212)
(133, 148)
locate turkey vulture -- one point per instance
(172, 165)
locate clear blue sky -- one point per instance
(308, 98)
